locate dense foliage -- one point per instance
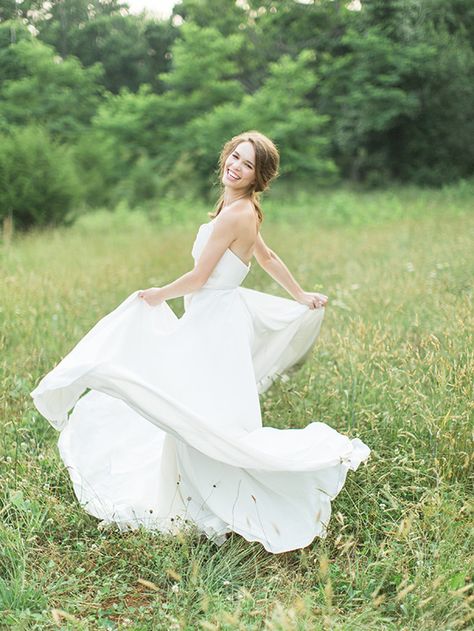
(371, 92)
(37, 178)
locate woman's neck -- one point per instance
(230, 199)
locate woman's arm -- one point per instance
(185, 284)
(276, 268)
(223, 234)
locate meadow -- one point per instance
(394, 365)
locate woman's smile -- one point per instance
(232, 175)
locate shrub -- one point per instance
(38, 183)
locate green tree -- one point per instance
(37, 178)
(434, 147)
(271, 29)
(203, 71)
(280, 110)
(368, 94)
(152, 128)
(11, 64)
(57, 93)
(8, 10)
(20, 10)
(58, 19)
(118, 43)
(132, 49)
(224, 16)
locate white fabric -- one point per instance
(168, 430)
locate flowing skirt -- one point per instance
(160, 421)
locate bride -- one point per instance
(159, 417)
(237, 223)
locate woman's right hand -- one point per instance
(153, 296)
(312, 299)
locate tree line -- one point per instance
(99, 105)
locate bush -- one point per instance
(97, 168)
(38, 182)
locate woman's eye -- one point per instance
(234, 155)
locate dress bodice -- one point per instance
(229, 272)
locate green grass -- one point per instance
(393, 365)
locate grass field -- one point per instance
(393, 366)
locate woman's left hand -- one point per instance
(312, 299)
(153, 296)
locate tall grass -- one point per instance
(393, 365)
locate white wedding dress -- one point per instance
(166, 428)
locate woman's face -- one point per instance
(239, 168)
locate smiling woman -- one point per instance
(166, 428)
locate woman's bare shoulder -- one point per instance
(242, 212)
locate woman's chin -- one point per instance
(227, 183)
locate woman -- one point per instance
(240, 215)
(169, 430)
